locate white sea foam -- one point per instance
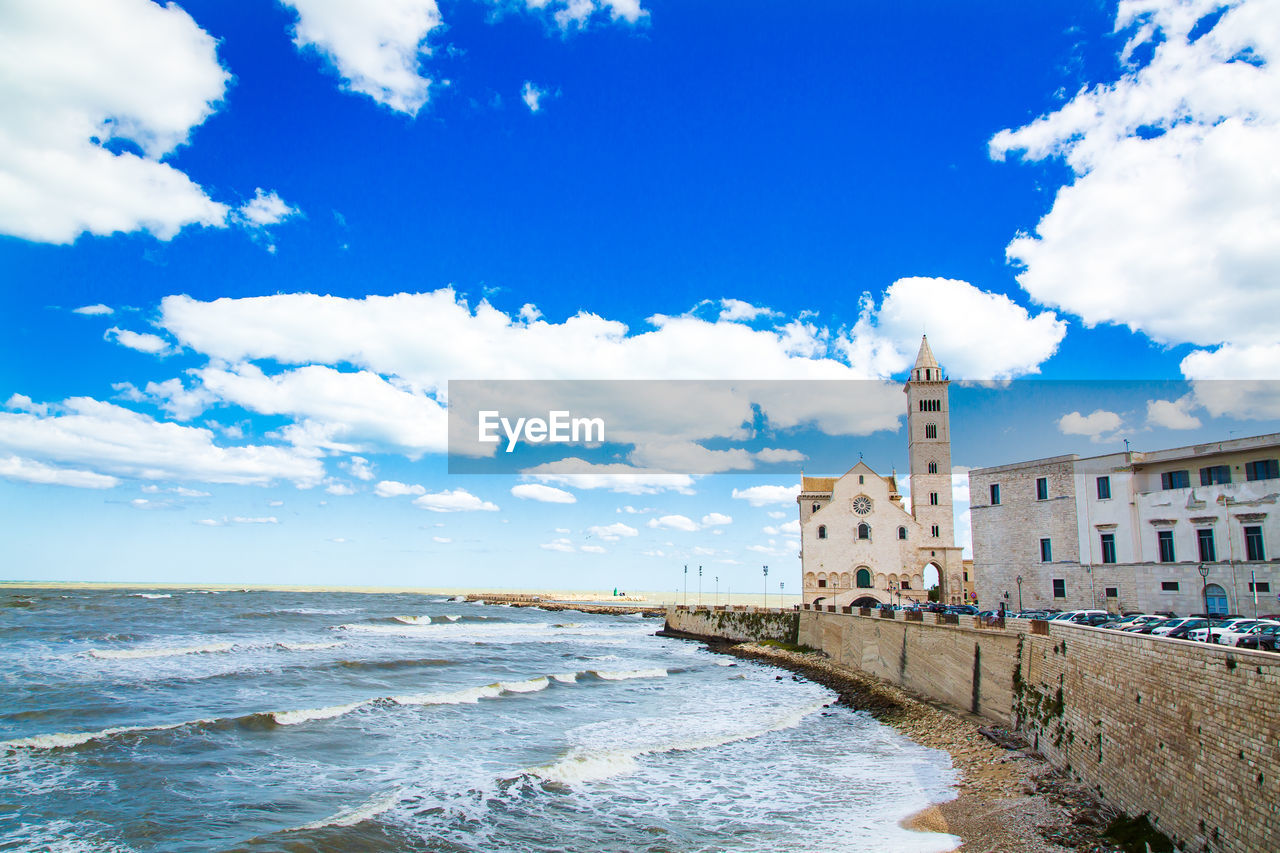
(310, 647)
(350, 817)
(413, 620)
(150, 595)
(292, 718)
(451, 617)
(566, 677)
(624, 674)
(458, 598)
(64, 740)
(532, 685)
(466, 696)
(479, 601)
(126, 654)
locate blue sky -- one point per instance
(244, 247)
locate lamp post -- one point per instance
(686, 585)
(717, 590)
(766, 587)
(782, 588)
(699, 586)
(1204, 588)
(1018, 581)
(893, 589)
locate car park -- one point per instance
(1232, 636)
(1265, 637)
(1135, 623)
(1167, 627)
(1215, 630)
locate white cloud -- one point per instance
(791, 528)
(713, 519)
(577, 14)
(735, 310)
(23, 403)
(630, 510)
(613, 532)
(29, 471)
(1172, 223)
(396, 489)
(765, 495)
(545, 494)
(562, 530)
(1172, 414)
(141, 341)
(592, 549)
(121, 442)
(98, 309)
(266, 519)
(617, 477)
(358, 467)
(265, 208)
(778, 515)
(443, 540)
(374, 45)
(1099, 425)
(454, 500)
(558, 545)
(773, 454)
(76, 75)
(339, 489)
(153, 489)
(171, 395)
(532, 97)
(673, 522)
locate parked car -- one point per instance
(1242, 629)
(1212, 633)
(1192, 623)
(1168, 626)
(1265, 638)
(1083, 617)
(1137, 622)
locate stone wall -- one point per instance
(749, 624)
(1186, 732)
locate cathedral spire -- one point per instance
(925, 357)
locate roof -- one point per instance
(817, 484)
(925, 357)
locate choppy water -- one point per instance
(272, 721)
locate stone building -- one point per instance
(858, 543)
(1129, 531)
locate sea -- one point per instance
(197, 720)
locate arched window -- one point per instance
(861, 479)
(815, 508)
(933, 467)
(902, 533)
(822, 531)
(933, 498)
(864, 579)
(864, 531)
(930, 430)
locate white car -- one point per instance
(1201, 635)
(1244, 629)
(1171, 625)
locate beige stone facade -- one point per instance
(1128, 531)
(858, 542)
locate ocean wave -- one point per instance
(310, 647)
(531, 685)
(306, 715)
(413, 620)
(662, 735)
(566, 677)
(150, 595)
(625, 674)
(70, 740)
(451, 617)
(359, 814)
(129, 654)
(465, 696)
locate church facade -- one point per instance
(859, 545)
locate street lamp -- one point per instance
(766, 587)
(893, 589)
(699, 586)
(686, 585)
(717, 590)
(1018, 580)
(1204, 586)
(782, 587)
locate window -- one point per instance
(1112, 592)
(864, 531)
(966, 577)
(933, 499)
(1262, 469)
(931, 405)
(1164, 538)
(1215, 475)
(935, 532)
(816, 507)
(1168, 586)
(1042, 488)
(1059, 585)
(1108, 547)
(1205, 539)
(822, 582)
(933, 467)
(822, 531)
(861, 479)
(863, 579)
(995, 494)
(1253, 544)
(1260, 586)
(902, 533)
(1046, 551)
(930, 430)
(906, 585)
(1104, 488)
(1175, 480)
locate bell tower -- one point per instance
(929, 452)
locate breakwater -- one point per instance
(1184, 732)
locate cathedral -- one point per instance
(859, 546)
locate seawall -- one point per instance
(1185, 732)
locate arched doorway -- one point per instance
(933, 581)
(1216, 599)
(866, 601)
(863, 578)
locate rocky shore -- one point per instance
(1009, 800)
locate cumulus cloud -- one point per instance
(544, 494)
(714, 519)
(1171, 225)
(1099, 425)
(94, 310)
(577, 14)
(141, 341)
(396, 489)
(120, 442)
(454, 500)
(79, 77)
(613, 532)
(30, 471)
(172, 396)
(443, 540)
(615, 476)
(765, 495)
(673, 522)
(242, 519)
(592, 549)
(265, 208)
(339, 489)
(735, 311)
(1172, 414)
(375, 46)
(359, 467)
(563, 545)
(532, 97)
